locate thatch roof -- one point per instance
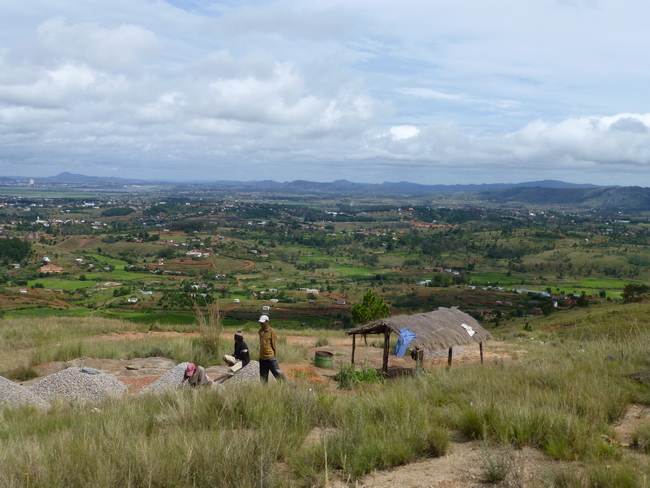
(440, 329)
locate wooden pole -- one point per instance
(384, 366)
(480, 346)
(449, 358)
(354, 345)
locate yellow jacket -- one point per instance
(268, 339)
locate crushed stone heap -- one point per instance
(171, 380)
(16, 395)
(251, 372)
(79, 386)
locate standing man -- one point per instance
(268, 351)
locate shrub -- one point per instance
(23, 373)
(641, 437)
(321, 342)
(348, 376)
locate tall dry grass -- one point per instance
(562, 397)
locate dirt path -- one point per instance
(82, 243)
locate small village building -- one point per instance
(50, 268)
(437, 330)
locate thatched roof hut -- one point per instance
(440, 329)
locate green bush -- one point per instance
(348, 376)
(23, 373)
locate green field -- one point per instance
(493, 279)
(62, 284)
(152, 317)
(352, 272)
(49, 312)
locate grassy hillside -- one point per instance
(572, 380)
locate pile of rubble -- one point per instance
(81, 385)
(75, 386)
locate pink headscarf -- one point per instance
(189, 371)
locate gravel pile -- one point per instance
(171, 380)
(249, 373)
(75, 386)
(15, 395)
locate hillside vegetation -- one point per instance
(562, 394)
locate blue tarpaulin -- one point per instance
(403, 341)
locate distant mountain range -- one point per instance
(336, 186)
(627, 197)
(545, 192)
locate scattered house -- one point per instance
(274, 300)
(46, 259)
(23, 290)
(340, 302)
(236, 300)
(197, 254)
(437, 330)
(50, 268)
(266, 307)
(315, 291)
(132, 300)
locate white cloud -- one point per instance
(399, 132)
(621, 139)
(119, 48)
(67, 83)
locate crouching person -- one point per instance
(195, 376)
(240, 356)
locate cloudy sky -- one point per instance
(426, 91)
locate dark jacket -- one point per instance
(241, 353)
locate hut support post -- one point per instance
(354, 345)
(419, 360)
(384, 366)
(480, 347)
(449, 357)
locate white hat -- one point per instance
(264, 318)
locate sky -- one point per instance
(426, 91)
